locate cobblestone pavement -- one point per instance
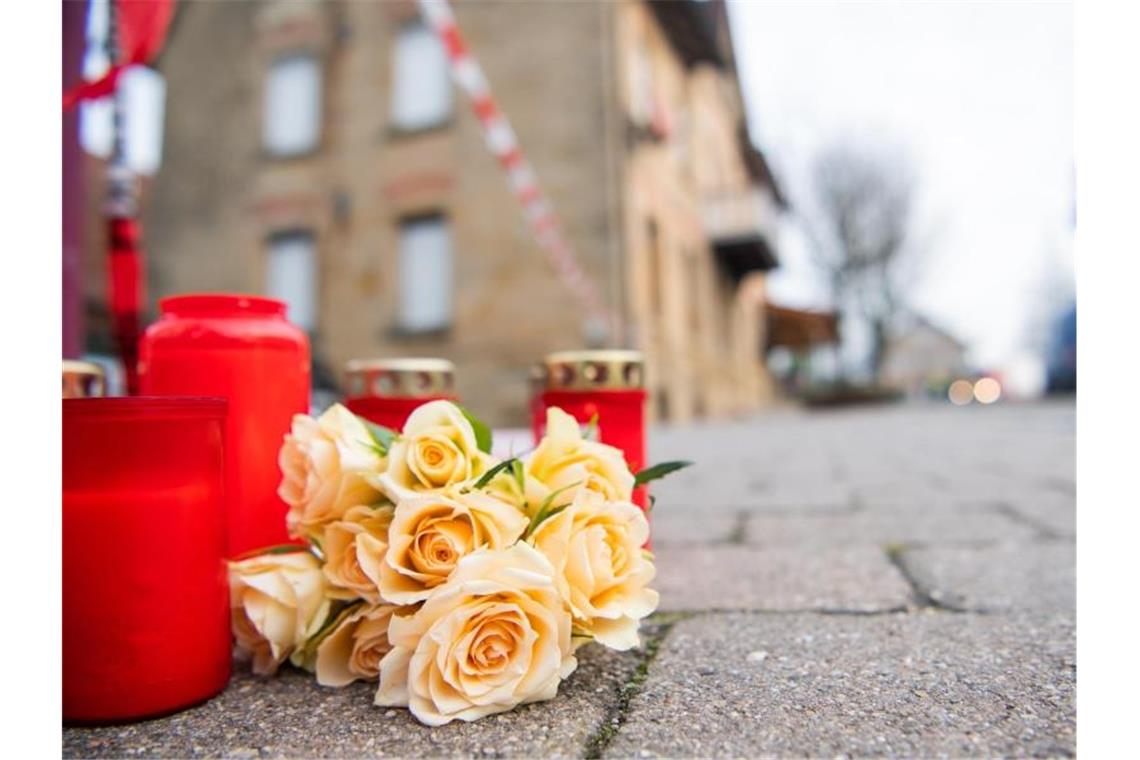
(881, 581)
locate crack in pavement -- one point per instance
(617, 715)
(924, 598)
(1043, 530)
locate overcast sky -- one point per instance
(981, 97)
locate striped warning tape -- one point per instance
(504, 144)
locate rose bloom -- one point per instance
(437, 449)
(494, 636)
(324, 466)
(354, 549)
(600, 567)
(430, 534)
(277, 601)
(354, 648)
(564, 459)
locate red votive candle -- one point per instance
(608, 384)
(243, 349)
(386, 391)
(145, 602)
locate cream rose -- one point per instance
(564, 459)
(277, 601)
(354, 648)
(437, 449)
(599, 566)
(494, 636)
(430, 534)
(325, 464)
(354, 549)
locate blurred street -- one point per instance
(875, 581)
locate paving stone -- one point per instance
(1039, 576)
(745, 577)
(886, 527)
(671, 527)
(809, 685)
(291, 716)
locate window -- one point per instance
(141, 93)
(292, 276)
(292, 123)
(425, 274)
(421, 89)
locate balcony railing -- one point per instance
(737, 215)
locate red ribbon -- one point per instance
(142, 26)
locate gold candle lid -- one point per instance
(83, 379)
(404, 377)
(607, 369)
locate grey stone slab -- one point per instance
(887, 527)
(678, 527)
(1039, 576)
(712, 495)
(909, 685)
(291, 716)
(1054, 511)
(746, 577)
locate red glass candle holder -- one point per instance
(386, 391)
(145, 601)
(243, 349)
(605, 384)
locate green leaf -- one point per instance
(482, 432)
(338, 612)
(275, 549)
(382, 436)
(490, 474)
(544, 510)
(658, 471)
(652, 503)
(519, 473)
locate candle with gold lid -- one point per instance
(608, 384)
(83, 380)
(386, 390)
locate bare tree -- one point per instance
(857, 221)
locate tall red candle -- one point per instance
(145, 601)
(608, 384)
(243, 349)
(386, 391)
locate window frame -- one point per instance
(287, 233)
(319, 139)
(394, 127)
(398, 329)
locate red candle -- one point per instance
(145, 601)
(386, 391)
(243, 349)
(607, 385)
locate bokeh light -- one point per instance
(961, 392)
(987, 390)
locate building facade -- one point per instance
(923, 359)
(319, 152)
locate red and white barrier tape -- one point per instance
(504, 144)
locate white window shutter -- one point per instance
(292, 116)
(425, 275)
(421, 90)
(292, 276)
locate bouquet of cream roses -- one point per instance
(464, 585)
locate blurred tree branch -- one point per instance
(857, 222)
